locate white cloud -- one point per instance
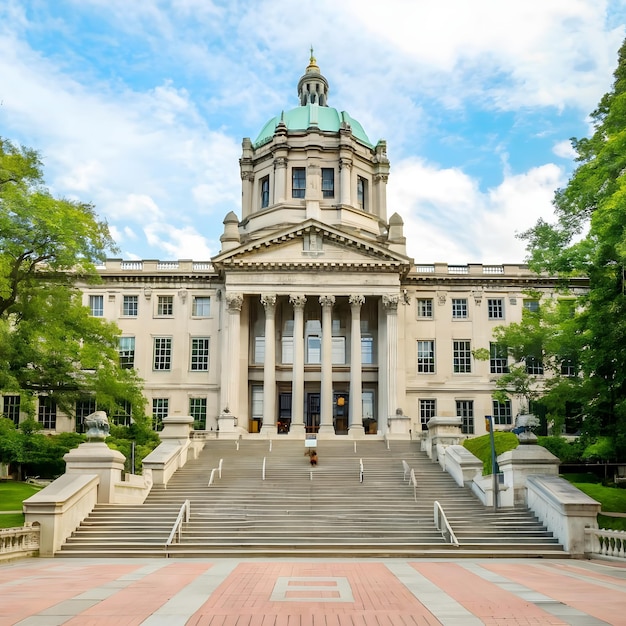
(178, 243)
(564, 150)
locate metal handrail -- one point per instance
(413, 481)
(264, 468)
(406, 469)
(183, 516)
(360, 470)
(440, 515)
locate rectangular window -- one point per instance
(165, 306)
(502, 414)
(160, 409)
(534, 365)
(259, 349)
(367, 350)
(531, 305)
(257, 402)
(426, 357)
(11, 408)
(162, 354)
(47, 414)
(425, 307)
(328, 182)
(265, 192)
(428, 409)
(361, 193)
(314, 350)
(122, 414)
(130, 306)
(495, 308)
(84, 407)
(298, 182)
(461, 357)
(568, 367)
(287, 350)
(498, 358)
(339, 350)
(199, 354)
(126, 348)
(465, 410)
(197, 410)
(96, 306)
(201, 306)
(459, 308)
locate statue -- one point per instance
(97, 426)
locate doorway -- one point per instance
(312, 412)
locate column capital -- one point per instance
(234, 302)
(356, 300)
(345, 162)
(390, 302)
(249, 176)
(268, 300)
(327, 301)
(280, 162)
(298, 302)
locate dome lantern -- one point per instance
(312, 86)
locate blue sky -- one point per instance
(140, 106)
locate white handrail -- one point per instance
(413, 481)
(360, 470)
(264, 468)
(183, 516)
(270, 445)
(607, 543)
(355, 447)
(406, 469)
(212, 476)
(219, 467)
(441, 516)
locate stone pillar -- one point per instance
(390, 305)
(230, 354)
(269, 366)
(280, 179)
(345, 168)
(297, 384)
(356, 388)
(326, 396)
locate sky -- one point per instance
(140, 107)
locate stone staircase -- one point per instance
(270, 502)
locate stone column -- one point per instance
(345, 167)
(297, 384)
(230, 354)
(280, 179)
(326, 396)
(356, 389)
(269, 366)
(390, 305)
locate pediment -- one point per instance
(312, 246)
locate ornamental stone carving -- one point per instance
(97, 426)
(347, 163)
(268, 300)
(356, 300)
(280, 162)
(390, 301)
(441, 298)
(234, 301)
(327, 300)
(298, 302)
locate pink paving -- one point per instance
(43, 587)
(379, 598)
(607, 604)
(487, 601)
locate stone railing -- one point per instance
(609, 544)
(19, 542)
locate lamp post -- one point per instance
(494, 462)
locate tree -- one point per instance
(589, 238)
(49, 342)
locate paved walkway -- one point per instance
(267, 592)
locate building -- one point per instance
(312, 318)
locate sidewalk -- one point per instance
(267, 592)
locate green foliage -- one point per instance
(480, 447)
(49, 343)
(602, 449)
(568, 452)
(139, 433)
(589, 239)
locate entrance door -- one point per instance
(340, 413)
(284, 413)
(312, 412)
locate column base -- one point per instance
(268, 430)
(297, 430)
(326, 430)
(356, 431)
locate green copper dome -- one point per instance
(313, 111)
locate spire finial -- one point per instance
(312, 66)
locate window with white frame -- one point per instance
(426, 356)
(298, 182)
(96, 306)
(165, 306)
(126, 348)
(130, 306)
(162, 354)
(84, 407)
(459, 308)
(367, 351)
(465, 410)
(314, 350)
(160, 410)
(199, 354)
(11, 408)
(534, 365)
(122, 415)
(328, 182)
(257, 402)
(428, 409)
(569, 367)
(498, 358)
(197, 410)
(265, 192)
(339, 350)
(47, 414)
(425, 308)
(495, 308)
(361, 193)
(201, 306)
(502, 413)
(461, 357)
(531, 305)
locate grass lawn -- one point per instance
(481, 447)
(11, 495)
